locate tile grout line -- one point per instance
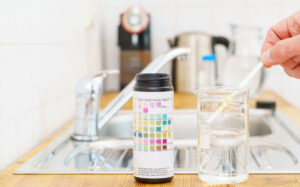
(41, 43)
(35, 108)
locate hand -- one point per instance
(282, 46)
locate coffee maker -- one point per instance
(134, 41)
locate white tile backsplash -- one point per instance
(45, 48)
(21, 134)
(224, 15)
(60, 60)
(15, 79)
(38, 73)
(16, 139)
(193, 19)
(156, 3)
(112, 55)
(35, 21)
(263, 16)
(166, 15)
(289, 7)
(51, 116)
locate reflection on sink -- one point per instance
(272, 148)
(258, 127)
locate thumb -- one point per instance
(281, 51)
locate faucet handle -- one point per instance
(93, 83)
(97, 82)
(108, 72)
(88, 93)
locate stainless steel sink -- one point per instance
(259, 126)
(274, 147)
(121, 127)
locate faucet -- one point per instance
(88, 92)
(89, 120)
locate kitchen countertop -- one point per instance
(7, 178)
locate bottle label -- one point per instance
(153, 151)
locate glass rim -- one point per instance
(221, 89)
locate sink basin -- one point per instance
(184, 123)
(258, 126)
(274, 147)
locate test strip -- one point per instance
(241, 85)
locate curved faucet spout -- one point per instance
(109, 111)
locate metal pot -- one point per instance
(185, 74)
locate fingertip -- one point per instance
(267, 66)
(266, 57)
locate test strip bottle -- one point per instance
(153, 150)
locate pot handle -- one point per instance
(219, 40)
(173, 42)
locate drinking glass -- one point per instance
(222, 142)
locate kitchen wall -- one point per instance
(170, 17)
(45, 47)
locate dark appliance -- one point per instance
(134, 42)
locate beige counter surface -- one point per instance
(7, 178)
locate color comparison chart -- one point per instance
(152, 125)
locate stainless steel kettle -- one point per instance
(185, 74)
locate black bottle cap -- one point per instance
(153, 82)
